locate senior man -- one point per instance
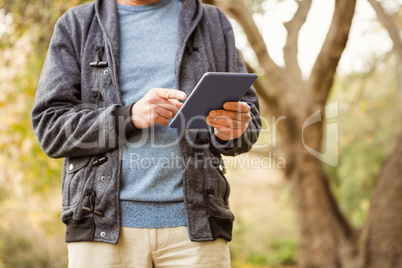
(137, 193)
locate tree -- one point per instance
(29, 181)
(382, 233)
(325, 236)
(326, 239)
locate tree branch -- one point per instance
(270, 101)
(389, 25)
(238, 10)
(324, 69)
(291, 47)
(209, 2)
(381, 232)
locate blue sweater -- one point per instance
(151, 184)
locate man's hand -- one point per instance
(231, 122)
(157, 107)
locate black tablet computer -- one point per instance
(210, 93)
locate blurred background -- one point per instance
(338, 207)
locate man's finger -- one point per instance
(168, 105)
(164, 113)
(239, 127)
(167, 93)
(176, 103)
(236, 106)
(225, 121)
(179, 105)
(230, 114)
(221, 128)
(226, 134)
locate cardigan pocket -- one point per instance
(217, 189)
(74, 180)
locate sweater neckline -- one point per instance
(144, 8)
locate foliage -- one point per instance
(264, 234)
(29, 212)
(255, 6)
(260, 245)
(30, 232)
(364, 97)
(26, 250)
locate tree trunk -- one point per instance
(382, 233)
(325, 237)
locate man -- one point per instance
(135, 192)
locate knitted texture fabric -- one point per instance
(151, 183)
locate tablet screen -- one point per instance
(210, 93)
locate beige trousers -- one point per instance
(147, 248)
